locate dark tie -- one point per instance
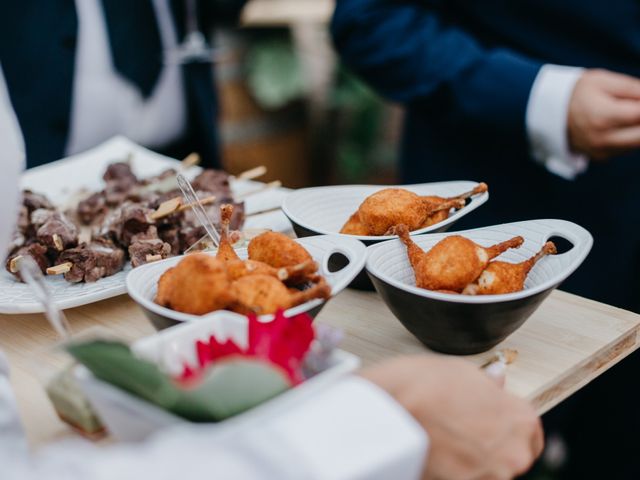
(136, 47)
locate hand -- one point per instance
(477, 431)
(604, 114)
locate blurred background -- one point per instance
(284, 95)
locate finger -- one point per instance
(497, 371)
(622, 86)
(537, 441)
(625, 113)
(622, 138)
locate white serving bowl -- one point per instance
(324, 210)
(130, 418)
(466, 324)
(142, 281)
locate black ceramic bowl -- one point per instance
(324, 210)
(465, 324)
(142, 281)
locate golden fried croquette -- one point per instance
(354, 226)
(453, 263)
(197, 285)
(264, 294)
(394, 206)
(503, 277)
(278, 250)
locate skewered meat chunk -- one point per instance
(215, 181)
(278, 250)
(119, 172)
(34, 201)
(54, 230)
(453, 263)
(199, 284)
(264, 294)
(92, 208)
(36, 251)
(146, 247)
(92, 261)
(394, 206)
(503, 277)
(171, 236)
(129, 220)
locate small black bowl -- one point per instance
(323, 210)
(465, 324)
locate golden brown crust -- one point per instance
(354, 226)
(277, 250)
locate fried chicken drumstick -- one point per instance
(200, 284)
(453, 263)
(503, 277)
(395, 206)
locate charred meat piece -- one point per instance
(214, 181)
(119, 172)
(127, 221)
(92, 208)
(92, 261)
(34, 201)
(171, 236)
(55, 230)
(147, 247)
(36, 251)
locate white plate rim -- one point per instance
(580, 237)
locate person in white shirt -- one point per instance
(425, 416)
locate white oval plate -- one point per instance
(142, 282)
(389, 262)
(325, 210)
(58, 180)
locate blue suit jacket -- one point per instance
(37, 54)
(464, 70)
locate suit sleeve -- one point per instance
(411, 53)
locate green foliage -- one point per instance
(227, 389)
(273, 71)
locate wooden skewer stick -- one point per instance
(203, 201)
(60, 269)
(153, 258)
(85, 235)
(190, 160)
(252, 173)
(14, 264)
(57, 241)
(266, 187)
(167, 208)
(175, 205)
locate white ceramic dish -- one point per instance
(465, 324)
(324, 210)
(59, 180)
(142, 282)
(130, 418)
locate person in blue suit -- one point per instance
(79, 72)
(541, 100)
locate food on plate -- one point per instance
(389, 207)
(202, 283)
(279, 251)
(453, 263)
(264, 294)
(199, 284)
(92, 261)
(124, 220)
(504, 277)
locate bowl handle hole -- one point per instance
(336, 262)
(562, 244)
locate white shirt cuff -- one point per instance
(353, 430)
(547, 113)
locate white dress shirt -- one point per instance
(547, 115)
(105, 104)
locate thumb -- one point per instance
(497, 371)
